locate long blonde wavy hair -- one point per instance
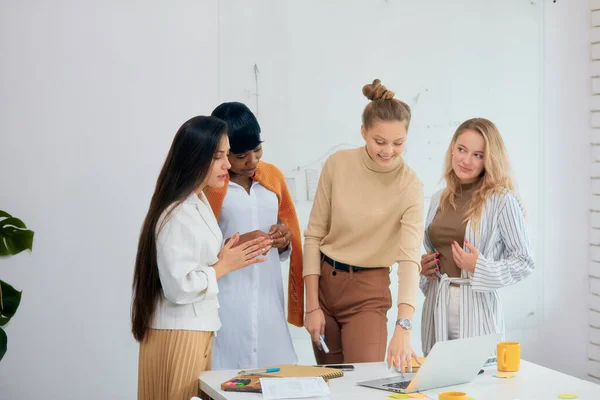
(496, 175)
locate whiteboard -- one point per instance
(300, 66)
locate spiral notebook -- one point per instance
(301, 371)
(251, 382)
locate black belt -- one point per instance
(341, 266)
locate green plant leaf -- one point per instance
(10, 298)
(3, 343)
(14, 235)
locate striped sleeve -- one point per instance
(515, 261)
(433, 208)
(423, 284)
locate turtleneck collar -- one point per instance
(375, 167)
(468, 186)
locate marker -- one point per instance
(323, 345)
(262, 371)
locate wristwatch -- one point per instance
(404, 323)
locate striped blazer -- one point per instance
(505, 258)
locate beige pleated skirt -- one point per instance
(170, 363)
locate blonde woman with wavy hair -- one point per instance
(475, 237)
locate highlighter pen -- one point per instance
(323, 345)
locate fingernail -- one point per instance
(437, 254)
(466, 241)
(437, 269)
(437, 261)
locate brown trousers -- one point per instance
(355, 305)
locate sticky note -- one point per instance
(567, 396)
(504, 376)
(398, 396)
(417, 396)
(415, 364)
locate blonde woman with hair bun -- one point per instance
(475, 237)
(367, 214)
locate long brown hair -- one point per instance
(186, 167)
(496, 175)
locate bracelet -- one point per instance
(308, 312)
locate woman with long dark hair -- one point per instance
(179, 260)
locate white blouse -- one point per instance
(254, 331)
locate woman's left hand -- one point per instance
(464, 260)
(400, 352)
(281, 236)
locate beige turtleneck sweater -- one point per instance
(367, 216)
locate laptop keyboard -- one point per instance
(398, 385)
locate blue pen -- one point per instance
(262, 371)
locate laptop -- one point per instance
(452, 362)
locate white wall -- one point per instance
(90, 97)
(593, 370)
(561, 341)
(309, 101)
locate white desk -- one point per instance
(533, 382)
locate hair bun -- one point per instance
(376, 91)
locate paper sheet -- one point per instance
(291, 184)
(312, 181)
(293, 388)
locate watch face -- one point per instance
(405, 323)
